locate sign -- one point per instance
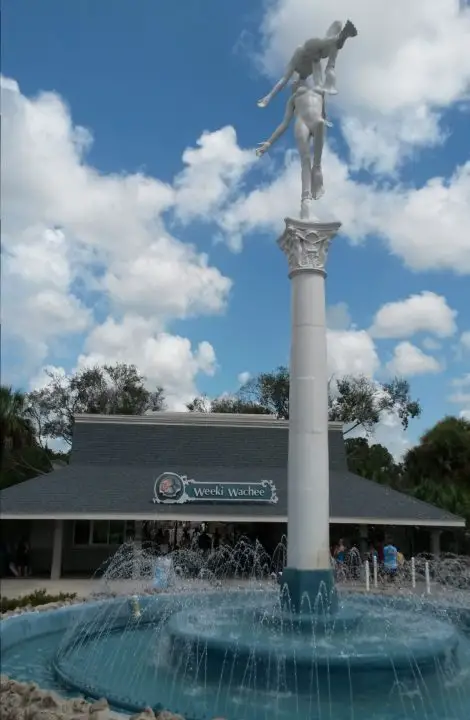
(174, 489)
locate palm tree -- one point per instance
(16, 428)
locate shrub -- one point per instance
(35, 599)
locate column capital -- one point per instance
(306, 244)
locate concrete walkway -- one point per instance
(84, 588)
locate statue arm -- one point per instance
(280, 85)
(264, 146)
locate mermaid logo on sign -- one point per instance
(169, 488)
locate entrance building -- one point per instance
(166, 473)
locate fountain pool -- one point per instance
(238, 654)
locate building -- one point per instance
(127, 473)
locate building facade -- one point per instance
(128, 475)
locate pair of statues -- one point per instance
(308, 104)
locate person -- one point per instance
(23, 557)
(306, 61)
(216, 539)
(204, 542)
(373, 553)
(390, 560)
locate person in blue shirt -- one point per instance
(390, 560)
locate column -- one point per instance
(308, 569)
(436, 543)
(56, 565)
(363, 540)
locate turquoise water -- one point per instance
(137, 662)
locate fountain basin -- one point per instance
(232, 642)
(100, 650)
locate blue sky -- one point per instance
(150, 236)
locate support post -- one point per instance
(363, 540)
(436, 543)
(308, 574)
(57, 545)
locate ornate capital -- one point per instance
(306, 244)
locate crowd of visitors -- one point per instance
(385, 554)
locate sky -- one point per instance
(139, 225)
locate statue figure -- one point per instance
(306, 61)
(307, 104)
(309, 110)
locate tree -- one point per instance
(437, 470)
(355, 401)
(359, 402)
(225, 405)
(22, 457)
(108, 389)
(373, 462)
(16, 428)
(270, 391)
(442, 455)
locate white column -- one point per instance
(436, 543)
(364, 538)
(56, 565)
(305, 244)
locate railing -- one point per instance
(423, 573)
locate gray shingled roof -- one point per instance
(114, 466)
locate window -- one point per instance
(81, 532)
(100, 535)
(102, 532)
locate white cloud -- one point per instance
(212, 172)
(409, 360)
(351, 352)
(243, 377)
(389, 432)
(465, 340)
(430, 343)
(69, 230)
(426, 312)
(338, 316)
(422, 226)
(408, 63)
(164, 359)
(461, 395)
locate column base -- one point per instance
(309, 591)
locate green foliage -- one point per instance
(442, 456)
(359, 402)
(108, 390)
(16, 428)
(437, 470)
(356, 401)
(373, 462)
(24, 464)
(35, 599)
(225, 405)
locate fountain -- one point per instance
(208, 645)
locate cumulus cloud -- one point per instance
(409, 360)
(243, 377)
(76, 239)
(412, 222)
(465, 340)
(408, 64)
(460, 395)
(426, 312)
